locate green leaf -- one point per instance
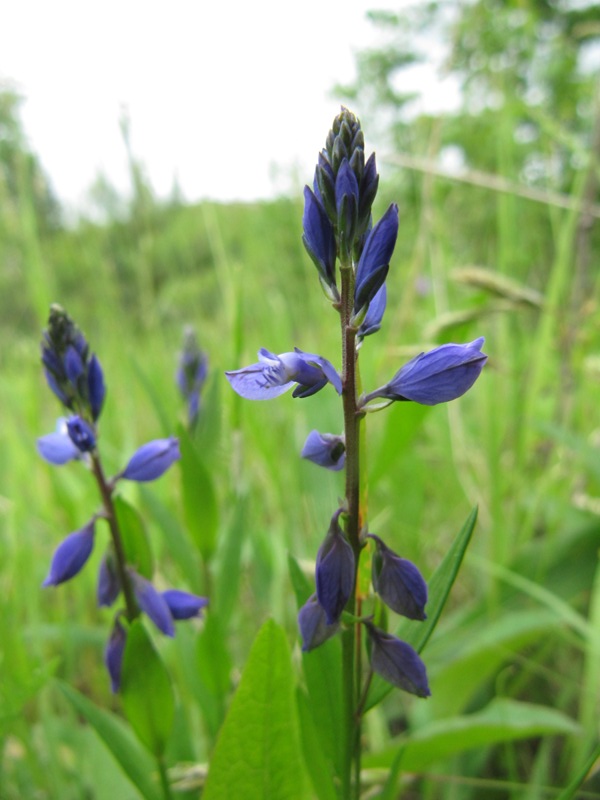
(133, 759)
(199, 498)
(135, 542)
(316, 762)
(417, 633)
(257, 754)
(146, 690)
(228, 562)
(502, 720)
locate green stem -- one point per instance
(351, 645)
(164, 778)
(111, 517)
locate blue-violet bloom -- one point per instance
(81, 434)
(192, 372)
(58, 447)
(334, 572)
(152, 603)
(113, 654)
(374, 261)
(396, 662)
(346, 198)
(152, 460)
(372, 321)
(441, 375)
(325, 449)
(71, 555)
(398, 582)
(275, 374)
(313, 625)
(109, 584)
(319, 240)
(184, 605)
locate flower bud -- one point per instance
(152, 603)
(113, 654)
(152, 460)
(335, 571)
(398, 582)
(184, 605)
(396, 662)
(441, 375)
(71, 555)
(313, 625)
(325, 449)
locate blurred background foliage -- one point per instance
(499, 200)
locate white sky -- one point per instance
(191, 74)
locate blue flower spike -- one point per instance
(71, 555)
(113, 654)
(152, 603)
(396, 662)
(312, 621)
(72, 373)
(184, 605)
(398, 582)
(438, 376)
(274, 374)
(325, 449)
(335, 571)
(192, 373)
(152, 460)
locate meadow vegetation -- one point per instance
(514, 663)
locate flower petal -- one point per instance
(113, 654)
(396, 662)
(152, 603)
(71, 555)
(334, 571)
(152, 460)
(313, 625)
(57, 448)
(325, 449)
(184, 605)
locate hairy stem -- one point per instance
(111, 516)
(351, 639)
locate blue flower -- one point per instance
(319, 240)
(191, 374)
(335, 571)
(113, 654)
(152, 603)
(109, 584)
(441, 375)
(152, 460)
(313, 625)
(71, 555)
(346, 198)
(372, 321)
(396, 662)
(275, 374)
(369, 182)
(325, 449)
(398, 582)
(81, 434)
(184, 605)
(374, 262)
(58, 447)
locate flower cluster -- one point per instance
(76, 378)
(338, 229)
